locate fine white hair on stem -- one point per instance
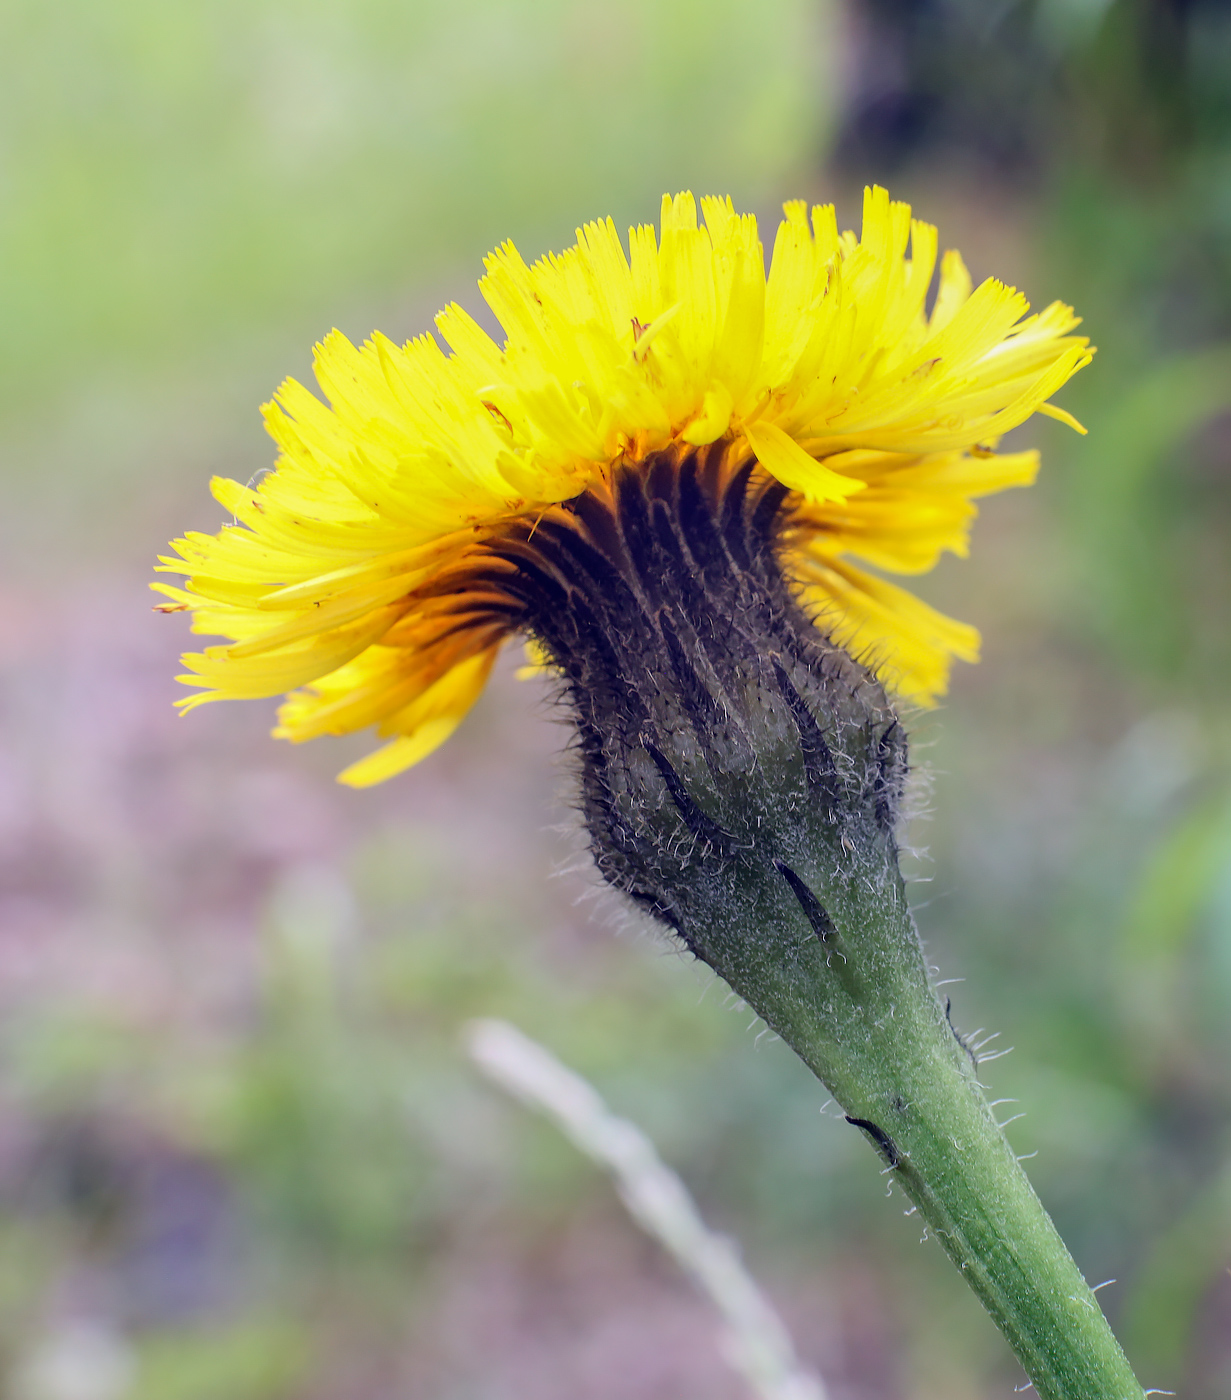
(755, 1340)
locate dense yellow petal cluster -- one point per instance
(879, 415)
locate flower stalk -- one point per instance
(868, 1023)
(741, 779)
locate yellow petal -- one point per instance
(400, 754)
(713, 419)
(426, 725)
(783, 457)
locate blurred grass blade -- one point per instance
(756, 1342)
(1126, 501)
(1177, 881)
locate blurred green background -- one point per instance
(241, 1156)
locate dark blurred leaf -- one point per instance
(1178, 1269)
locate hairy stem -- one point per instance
(857, 1006)
(741, 779)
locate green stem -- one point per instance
(859, 1008)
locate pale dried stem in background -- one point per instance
(755, 1342)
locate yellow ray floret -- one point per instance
(878, 414)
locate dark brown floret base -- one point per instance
(725, 742)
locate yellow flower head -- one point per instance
(368, 573)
